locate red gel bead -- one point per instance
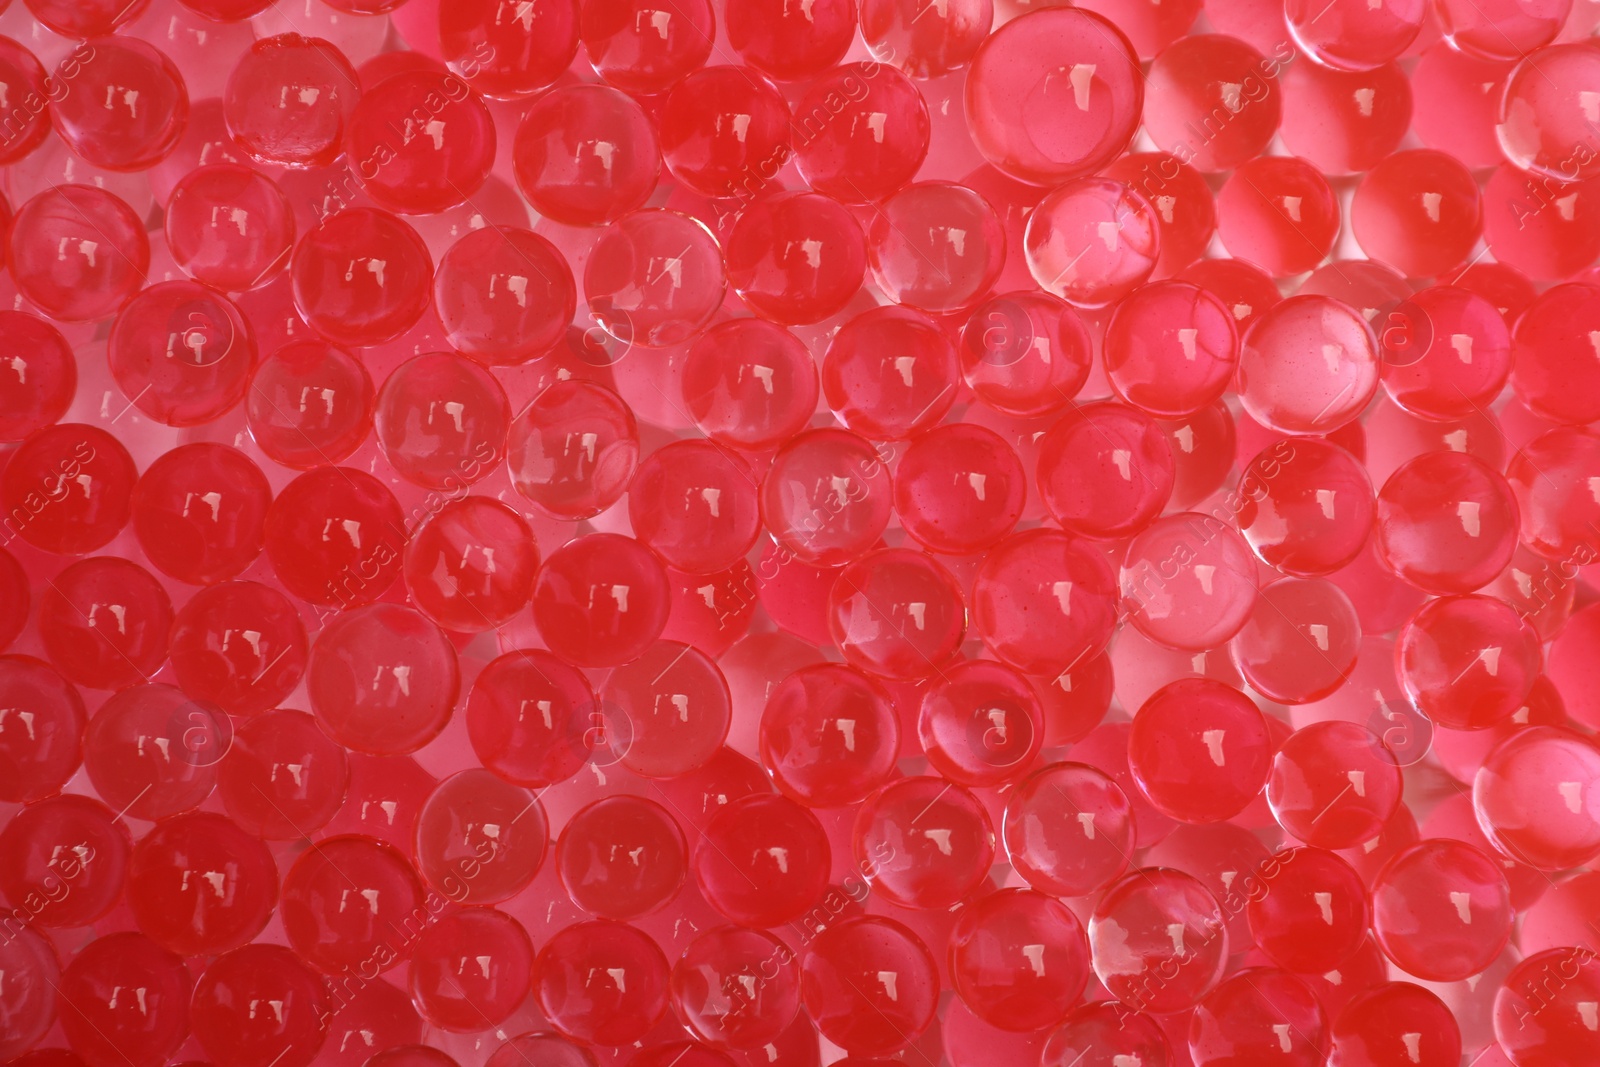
(696, 506)
(382, 679)
(574, 450)
(673, 707)
(105, 623)
(441, 421)
(1395, 1024)
(181, 353)
(1308, 365)
(108, 1030)
(150, 751)
(78, 252)
(532, 718)
(936, 246)
(1446, 354)
(1183, 203)
(1092, 241)
(361, 277)
(309, 404)
(260, 1005)
(749, 385)
(601, 600)
(896, 613)
(1054, 95)
(1171, 348)
(507, 58)
(200, 885)
(1025, 353)
(1334, 784)
(899, 32)
(229, 227)
(318, 90)
(1105, 471)
(725, 131)
(622, 857)
(1305, 506)
(1503, 30)
(334, 536)
(470, 969)
(240, 646)
(199, 511)
(383, 800)
(1189, 581)
(1154, 923)
(796, 258)
(63, 861)
(1243, 288)
(642, 50)
(790, 43)
(736, 988)
(1301, 642)
(1278, 211)
(504, 295)
(923, 842)
(654, 278)
(959, 489)
(480, 840)
(1441, 910)
(550, 1048)
(586, 155)
(1199, 750)
(981, 723)
(1533, 797)
(1261, 1016)
(1101, 1033)
(889, 373)
(826, 498)
(870, 985)
(1347, 35)
(23, 72)
(420, 142)
(1212, 100)
(1550, 477)
(1042, 601)
(762, 861)
(1312, 914)
(1457, 98)
(1019, 959)
(1538, 225)
(1068, 830)
(46, 375)
(147, 110)
(1417, 211)
(830, 735)
(39, 752)
(1544, 127)
(470, 566)
(712, 611)
(1553, 369)
(282, 777)
(871, 147)
(368, 1021)
(1540, 1011)
(1468, 662)
(345, 903)
(1446, 522)
(604, 983)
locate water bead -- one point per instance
(240, 646)
(63, 860)
(1417, 211)
(1345, 35)
(604, 983)
(1308, 365)
(224, 1014)
(826, 498)
(923, 842)
(1068, 830)
(1170, 348)
(1468, 662)
(654, 278)
(470, 969)
(943, 473)
(829, 736)
(1308, 912)
(509, 58)
(28, 126)
(420, 142)
(725, 131)
(1105, 471)
(282, 778)
(1189, 581)
(1540, 1010)
(112, 1031)
(899, 32)
(1305, 506)
(470, 566)
(586, 155)
(56, 253)
(1199, 750)
(796, 258)
(936, 246)
(314, 905)
(105, 623)
(1100, 1033)
(1543, 128)
(981, 723)
(1442, 910)
(1278, 212)
(533, 719)
(1158, 939)
(870, 984)
(695, 505)
(1541, 226)
(889, 373)
(309, 404)
(1260, 1015)
(1092, 241)
(1228, 859)
(1446, 353)
(787, 43)
(1549, 476)
(1244, 288)
(361, 277)
(551, 1048)
(199, 511)
(382, 679)
(1534, 797)
(1184, 205)
(46, 375)
(1043, 601)
(1301, 642)
(671, 710)
(1553, 362)
(504, 295)
(1054, 95)
(1446, 522)
(1213, 101)
(229, 227)
(148, 108)
(1019, 959)
(573, 450)
(736, 988)
(1025, 353)
(480, 840)
(441, 420)
(622, 857)
(384, 796)
(1334, 784)
(601, 600)
(318, 89)
(355, 567)
(749, 385)
(896, 613)
(1395, 1024)
(200, 885)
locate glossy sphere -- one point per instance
(1068, 830)
(1261, 1016)
(1189, 581)
(896, 31)
(1301, 642)
(1395, 1023)
(857, 157)
(1446, 353)
(470, 566)
(470, 969)
(68, 488)
(1170, 349)
(786, 42)
(737, 861)
(1548, 476)
(1105, 471)
(1019, 959)
(1446, 652)
(240, 646)
(480, 840)
(923, 842)
(1099, 1034)
(361, 277)
(936, 246)
(736, 988)
(1305, 506)
(1092, 241)
(896, 613)
(63, 860)
(181, 353)
(1199, 750)
(420, 142)
(441, 421)
(225, 1016)
(105, 623)
(601, 600)
(841, 988)
(30, 125)
(41, 361)
(1213, 101)
(1348, 35)
(504, 295)
(508, 58)
(602, 982)
(200, 885)
(1278, 211)
(107, 1030)
(1543, 127)
(229, 227)
(148, 110)
(796, 258)
(622, 857)
(354, 569)
(634, 48)
(826, 498)
(1467, 904)
(829, 736)
(725, 131)
(1446, 522)
(1054, 95)
(309, 404)
(382, 679)
(1183, 203)
(1159, 940)
(1507, 30)
(151, 751)
(1524, 233)
(1308, 365)
(528, 749)
(199, 511)
(1534, 797)
(1025, 353)
(1552, 370)
(54, 256)
(1333, 784)
(654, 278)
(696, 506)
(749, 385)
(981, 723)
(1310, 914)
(1417, 211)
(318, 88)
(586, 155)
(670, 708)
(282, 778)
(959, 489)
(1345, 122)
(890, 372)
(321, 927)
(1243, 288)
(1539, 1010)
(574, 450)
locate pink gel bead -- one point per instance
(199, 512)
(1305, 506)
(842, 148)
(1279, 212)
(328, 934)
(470, 969)
(108, 1030)
(1199, 750)
(30, 126)
(1301, 642)
(725, 131)
(574, 449)
(671, 710)
(509, 58)
(504, 295)
(622, 857)
(1189, 581)
(826, 498)
(1446, 522)
(520, 747)
(1100, 1033)
(382, 679)
(899, 32)
(64, 860)
(629, 50)
(1445, 652)
(148, 110)
(1552, 369)
(696, 506)
(1549, 476)
(740, 876)
(737, 988)
(355, 570)
(1067, 250)
(1536, 1028)
(841, 990)
(932, 864)
(441, 421)
(1312, 788)
(34, 484)
(362, 277)
(309, 129)
(991, 935)
(749, 385)
(981, 723)
(181, 353)
(1260, 1014)
(1025, 353)
(581, 187)
(1105, 471)
(1171, 348)
(796, 258)
(896, 613)
(1347, 35)
(601, 600)
(1046, 836)
(1542, 126)
(136, 775)
(1312, 913)
(225, 1013)
(480, 840)
(1308, 365)
(1042, 601)
(1395, 1023)
(787, 43)
(603, 983)
(46, 375)
(214, 662)
(304, 435)
(939, 477)
(1456, 104)
(654, 278)
(1540, 225)
(90, 644)
(830, 735)
(1417, 211)
(1345, 122)
(889, 373)
(210, 246)
(1442, 910)
(261, 792)
(78, 287)
(470, 566)
(1446, 353)
(936, 246)
(1185, 208)
(1134, 934)
(195, 916)
(1531, 797)
(1213, 101)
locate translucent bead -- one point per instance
(525, 749)
(1417, 211)
(1446, 353)
(1185, 208)
(923, 842)
(64, 859)
(291, 430)
(1068, 253)
(787, 43)
(843, 150)
(356, 570)
(796, 258)
(1170, 349)
(91, 644)
(638, 303)
(362, 277)
(1159, 940)
(105, 1029)
(1199, 750)
(1532, 797)
(936, 246)
(616, 1009)
(1308, 912)
(199, 511)
(1457, 103)
(223, 1013)
(1313, 789)
(1019, 959)
(981, 723)
(194, 916)
(1279, 212)
(240, 676)
(1539, 1010)
(1301, 642)
(1068, 830)
(31, 124)
(470, 969)
(1351, 36)
(1445, 652)
(1540, 225)
(1308, 365)
(827, 497)
(1189, 581)
(622, 857)
(260, 791)
(504, 295)
(148, 110)
(1043, 601)
(601, 600)
(1446, 522)
(737, 988)
(897, 613)
(586, 188)
(211, 245)
(898, 32)
(480, 840)
(574, 449)
(1552, 368)
(508, 58)
(1100, 1033)
(77, 287)
(1395, 1023)
(1543, 128)
(1262, 1015)
(830, 735)
(632, 48)
(1025, 353)
(1464, 892)
(890, 372)
(1548, 476)
(1212, 100)
(870, 985)
(1305, 506)
(319, 89)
